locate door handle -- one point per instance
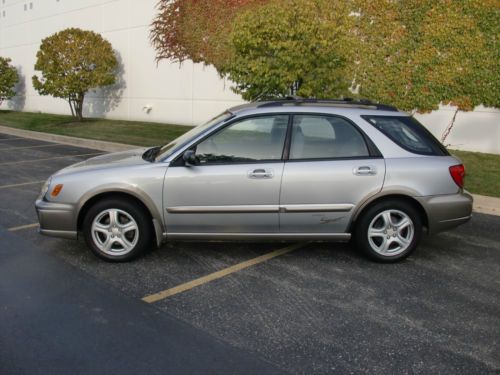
(261, 173)
(365, 170)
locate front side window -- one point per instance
(252, 139)
(325, 137)
(408, 133)
(186, 137)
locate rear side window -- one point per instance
(325, 137)
(409, 134)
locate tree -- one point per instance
(195, 29)
(414, 54)
(72, 62)
(298, 47)
(8, 79)
(417, 54)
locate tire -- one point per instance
(389, 231)
(117, 230)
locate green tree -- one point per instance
(417, 54)
(72, 62)
(291, 47)
(8, 79)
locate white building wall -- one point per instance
(187, 94)
(181, 94)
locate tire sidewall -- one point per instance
(133, 209)
(361, 232)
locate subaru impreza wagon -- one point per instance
(291, 169)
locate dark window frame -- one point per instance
(374, 152)
(179, 161)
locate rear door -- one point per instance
(330, 169)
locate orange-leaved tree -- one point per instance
(195, 29)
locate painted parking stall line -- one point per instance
(22, 227)
(219, 274)
(21, 184)
(10, 139)
(51, 158)
(28, 147)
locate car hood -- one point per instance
(114, 160)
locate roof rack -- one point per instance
(345, 102)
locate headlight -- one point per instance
(45, 188)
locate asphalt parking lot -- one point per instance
(305, 308)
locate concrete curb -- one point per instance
(482, 204)
(67, 140)
(486, 205)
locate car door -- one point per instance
(330, 169)
(234, 185)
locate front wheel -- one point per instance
(117, 230)
(389, 231)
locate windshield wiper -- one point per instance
(151, 153)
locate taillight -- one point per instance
(458, 173)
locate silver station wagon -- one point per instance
(291, 169)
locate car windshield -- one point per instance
(170, 147)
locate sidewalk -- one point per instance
(486, 205)
(482, 204)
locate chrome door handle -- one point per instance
(365, 170)
(260, 173)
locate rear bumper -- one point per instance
(56, 219)
(447, 211)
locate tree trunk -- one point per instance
(70, 101)
(448, 129)
(79, 106)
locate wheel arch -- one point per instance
(386, 197)
(90, 199)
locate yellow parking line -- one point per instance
(25, 147)
(21, 227)
(219, 274)
(47, 159)
(20, 184)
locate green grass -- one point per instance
(129, 132)
(482, 172)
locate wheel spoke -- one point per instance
(113, 218)
(384, 246)
(376, 232)
(108, 243)
(131, 225)
(387, 219)
(405, 222)
(126, 244)
(403, 242)
(102, 228)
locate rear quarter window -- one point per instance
(409, 134)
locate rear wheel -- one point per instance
(117, 230)
(389, 231)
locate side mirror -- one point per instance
(190, 157)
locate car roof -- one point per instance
(339, 106)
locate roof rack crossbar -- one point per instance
(344, 101)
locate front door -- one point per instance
(329, 171)
(234, 186)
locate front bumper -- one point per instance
(56, 219)
(447, 211)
